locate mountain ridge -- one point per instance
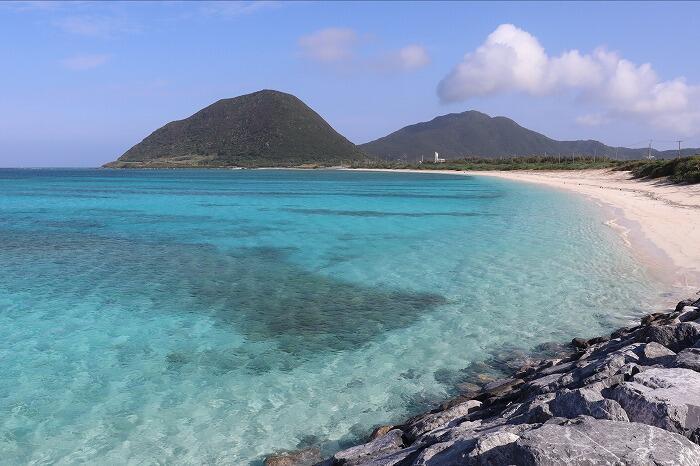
(476, 134)
(269, 128)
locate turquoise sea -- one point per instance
(212, 317)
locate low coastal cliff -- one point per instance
(630, 398)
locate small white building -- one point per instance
(438, 159)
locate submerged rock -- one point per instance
(305, 457)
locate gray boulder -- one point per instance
(586, 441)
(689, 359)
(547, 384)
(305, 457)
(431, 421)
(586, 401)
(675, 337)
(666, 398)
(388, 443)
(535, 410)
(689, 313)
(654, 353)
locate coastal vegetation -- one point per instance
(680, 170)
(503, 163)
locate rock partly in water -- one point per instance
(574, 409)
(674, 337)
(305, 457)
(431, 421)
(388, 443)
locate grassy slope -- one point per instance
(478, 135)
(266, 128)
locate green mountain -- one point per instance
(266, 128)
(475, 134)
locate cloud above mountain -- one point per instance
(330, 45)
(346, 49)
(84, 62)
(513, 60)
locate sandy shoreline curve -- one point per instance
(658, 220)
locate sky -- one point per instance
(82, 82)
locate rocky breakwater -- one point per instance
(631, 398)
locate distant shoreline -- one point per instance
(659, 221)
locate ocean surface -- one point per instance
(212, 317)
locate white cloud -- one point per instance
(592, 119)
(94, 26)
(412, 57)
(340, 47)
(84, 62)
(512, 59)
(234, 9)
(330, 45)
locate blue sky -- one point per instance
(82, 82)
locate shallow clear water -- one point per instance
(189, 317)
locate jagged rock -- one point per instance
(586, 441)
(379, 431)
(613, 367)
(473, 447)
(684, 303)
(675, 337)
(546, 384)
(388, 443)
(689, 313)
(493, 448)
(655, 319)
(557, 368)
(689, 358)
(666, 398)
(462, 430)
(500, 388)
(653, 353)
(586, 401)
(445, 453)
(580, 343)
(597, 340)
(305, 457)
(623, 332)
(432, 421)
(536, 410)
(401, 457)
